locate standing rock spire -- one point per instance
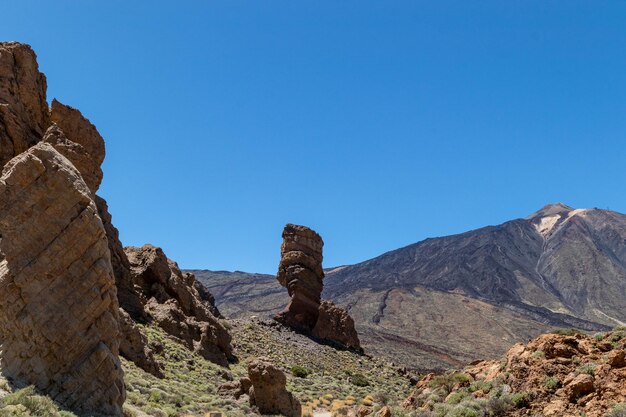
(300, 271)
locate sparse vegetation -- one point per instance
(588, 368)
(300, 371)
(617, 411)
(551, 383)
(567, 332)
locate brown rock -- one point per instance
(300, 271)
(363, 411)
(580, 385)
(616, 358)
(384, 412)
(268, 392)
(23, 108)
(235, 389)
(174, 302)
(134, 346)
(88, 167)
(58, 310)
(336, 325)
(127, 294)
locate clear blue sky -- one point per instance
(377, 123)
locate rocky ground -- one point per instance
(568, 374)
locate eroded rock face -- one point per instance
(23, 108)
(268, 392)
(301, 272)
(134, 346)
(335, 324)
(58, 306)
(173, 301)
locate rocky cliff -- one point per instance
(71, 300)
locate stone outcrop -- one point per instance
(268, 392)
(172, 300)
(134, 346)
(300, 271)
(552, 375)
(335, 324)
(24, 113)
(59, 324)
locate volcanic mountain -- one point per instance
(450, 300)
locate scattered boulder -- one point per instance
(580, 385)
(384, 412)
(174, 303)
(617, 358)
(300, 271)
(59, 320)
(268, 392)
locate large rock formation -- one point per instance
(24, 113)
(335, 324)
(59, 325)
(173, 301)
(268, 392)
(301, 272)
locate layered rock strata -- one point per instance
(300, 271)
(59, 325)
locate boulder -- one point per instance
(268, 392)
(173, 301)
(335, 325)
(580, 385)
(59, 320)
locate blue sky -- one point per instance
(376, 123)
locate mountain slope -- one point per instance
(450, 300)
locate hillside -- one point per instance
(424, 305)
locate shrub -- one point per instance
(588, 368)
(551, 383)
(381, 398)
(539, 354)
(449, 381)
(497, 406)
(359, 380)
(481, 386)
(618, 411)
(521, 399)
(599, 336)
(300, 371)
(567, 332)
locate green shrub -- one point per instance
(359, 380)
(521, 399)
(300, 371)
(450, 380)
(599, 336)
(481, 386)
(539, 354)
(588, 368)
(618, 411)
(567, 332)
(26, 402)
(551, 383)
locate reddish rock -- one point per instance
(617, 358)
(384, 412)
(268, 392)
(580, 385)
